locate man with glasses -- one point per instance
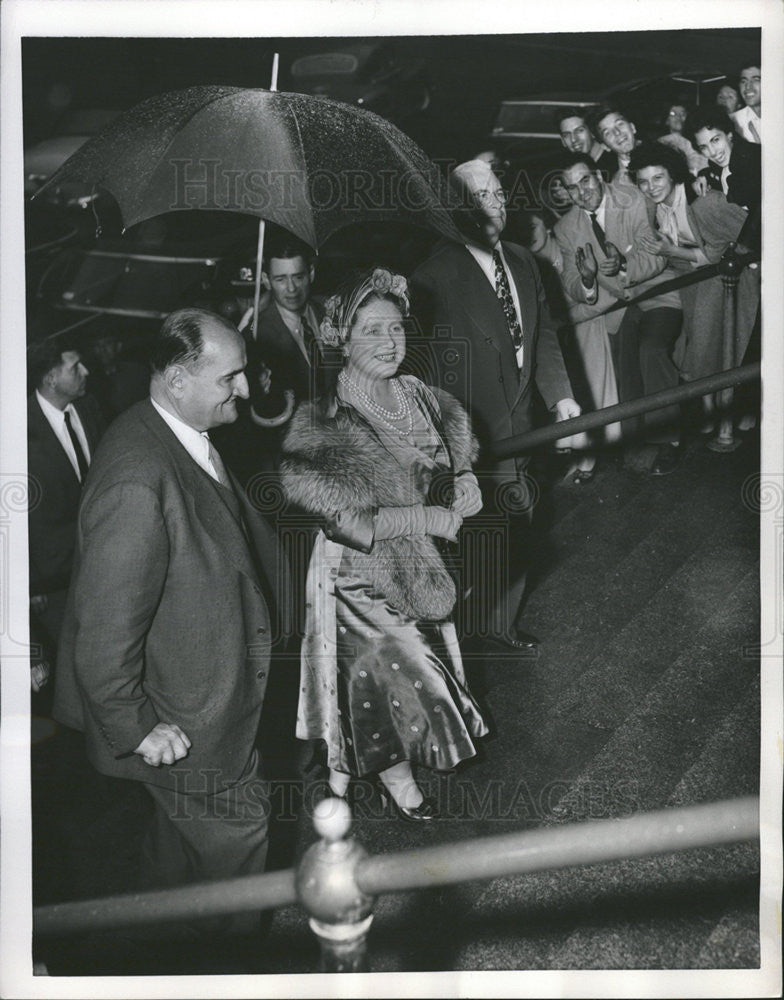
(486, 298)
(604, 260)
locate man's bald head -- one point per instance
(479, 187)
(198, 362)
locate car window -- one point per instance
(325, 64)
(527, 116)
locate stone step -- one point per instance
(677, 712)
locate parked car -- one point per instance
(171, 261)
(44, 157)
(372, 73)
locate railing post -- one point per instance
(729, 269)
(340, 913)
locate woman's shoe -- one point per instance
(583, 476)
(424, 812)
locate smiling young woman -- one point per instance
(693, 231)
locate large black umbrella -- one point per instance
(308, 164)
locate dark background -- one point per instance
(470, 74)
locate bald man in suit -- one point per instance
(178, 594)
(486, 297)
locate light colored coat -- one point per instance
(626, 220)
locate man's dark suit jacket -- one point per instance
(744, 184)
(474, 358)
(166, 619)
(277, 349)
(54, 495)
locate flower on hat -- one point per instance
(399, 286)
(329, 334)
(381, 280)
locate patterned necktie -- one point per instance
(308, 338)
(598, 233)
(81, 459)
(217, 464)
(504, 293)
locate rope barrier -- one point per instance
(739, 262)
(206, 899)
(522, 443)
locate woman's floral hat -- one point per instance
(341, 309)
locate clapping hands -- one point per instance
(585, 260)
(613, 262)
(657, 243)
(468, 496)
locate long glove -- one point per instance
(394, 522)
(468, 496)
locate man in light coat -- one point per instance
(600, 240)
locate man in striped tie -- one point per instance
(493, 343)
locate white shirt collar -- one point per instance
(292, 320)
(196, 443)
(52, 412)
(601, 208)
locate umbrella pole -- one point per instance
(257, 288)
(260, 245)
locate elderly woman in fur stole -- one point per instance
(384, 461)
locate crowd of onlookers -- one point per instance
(676, 196)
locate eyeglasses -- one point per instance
(486, 197)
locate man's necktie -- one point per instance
(598, 233)
(217, 464)
(81, 459)
(504, 293)
(308, 339)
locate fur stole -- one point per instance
(334, 461)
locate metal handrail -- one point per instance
(336, 881)
(188, 902)
(557, 847)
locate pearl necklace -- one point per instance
(403, 412)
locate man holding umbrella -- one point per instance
(285, 355)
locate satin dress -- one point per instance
(376, 685)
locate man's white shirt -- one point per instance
(196, 443)
(56, 420)
(293, 323)
(484, 259)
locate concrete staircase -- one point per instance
(642, 697)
